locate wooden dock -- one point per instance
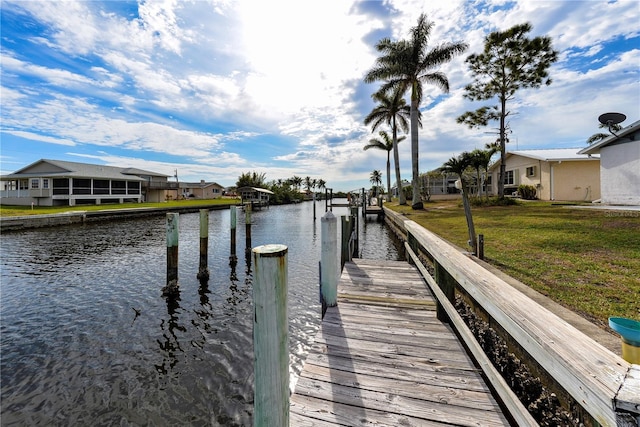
(374, 210)
(381, 357)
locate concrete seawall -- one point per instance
(13, 223)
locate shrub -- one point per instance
(492, 201)
(527, 192)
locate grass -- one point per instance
(585, 259)
(6, 211)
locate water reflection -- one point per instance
(87, 338)
(171, 344)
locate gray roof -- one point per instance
(623, 135)
(198, 184)
(549, 155)
(64, 169)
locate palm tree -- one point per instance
(376, 179)
(480, 160)
(296, 181)
(459, 165)
(394, 111)
(600, 136)
(385, 143)
(407, 64)
(307, 184)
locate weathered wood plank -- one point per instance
(382, 358)
(403, 368)
(401, 405)
(402, 387)
(311, 411)
(588, 371)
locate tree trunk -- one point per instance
(396, 160)
(416, 203)
(467, 214)
(388, 178)
(503, 147)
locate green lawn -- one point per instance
(40, 210)
(585, 259)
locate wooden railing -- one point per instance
(602, 383)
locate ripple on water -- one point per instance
(75, 351)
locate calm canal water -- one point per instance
(74, 351)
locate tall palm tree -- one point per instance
(376, 179)
(307, 184)
(459, 165)
(385, 143)
(408, 64)
(394, 111)
(480, 160)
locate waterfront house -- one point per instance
(201, 190)
(557, 174)
(619, 166)
(61, 183)
(256, 197)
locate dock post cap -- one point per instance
(328, 215)
(270, 250)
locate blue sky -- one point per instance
(217, 88)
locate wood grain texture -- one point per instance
(382, 358)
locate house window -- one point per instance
(118, 187)
(133, 187)
(35, 183)
(508, 178)
(81, 186)
(45, 183)
(100, 186)
(531, 171)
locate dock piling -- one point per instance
(270, 337)
(203, 270)
(247, 220)
(330, 271)
(356, 228)
(233, 219)
(172, 230)
(346, 223)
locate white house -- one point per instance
(61, 183)
(619, 166)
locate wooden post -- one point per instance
(203, 270)
(481, 246)
(356, 227)
(329, 260)
(448, 286)
(346, 229)
(326, 200)
(331, 196)
(364, 204)
(314, 206)
(270, 337)
(172, 229)
(232, 210)
(247, 220)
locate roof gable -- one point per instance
(43, 166)
(65, 169)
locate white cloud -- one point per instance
(277, 86)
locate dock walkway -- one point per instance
(381, 357)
